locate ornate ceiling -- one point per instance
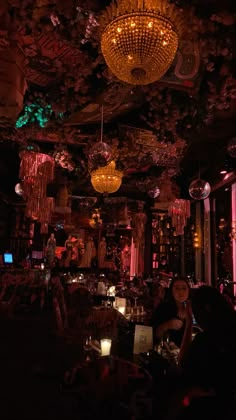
(157, 132)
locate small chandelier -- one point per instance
(179, 210)
(106, 179)
(140, 38)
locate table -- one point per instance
(116, 387)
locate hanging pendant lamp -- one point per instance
(140, 38)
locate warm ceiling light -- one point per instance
(106, 179)
(223, 172)
(148, 31)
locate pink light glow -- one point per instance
(228, 175)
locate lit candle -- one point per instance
(121, 309)
(105, 346)
(111, 291)
(120, 302)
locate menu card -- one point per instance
(143, 339)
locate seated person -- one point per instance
(79, 306)
(158, 295)
(211, 355)
(86, 320)
(208, 367)
(169, 317)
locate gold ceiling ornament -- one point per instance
(140, 38)
(106, 179)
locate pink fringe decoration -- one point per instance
(179, 211)
(36, 170)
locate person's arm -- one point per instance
(164, 274)
(182, 399)
(187, 337)
(162, 329)
(171, 324)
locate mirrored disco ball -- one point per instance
(100, 154)
(199, 189)
(154, 192)
(231, 147)
(19, 189)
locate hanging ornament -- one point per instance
(100, 154)
(199, 189)
(19, 189)
(36, 171)
(179, 210)
(231, 147)
(107, 180)
(63, 158)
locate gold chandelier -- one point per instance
(139, 39)
(106, 179)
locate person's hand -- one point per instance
(175, 324)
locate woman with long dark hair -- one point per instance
(169, 318)
(207, 365)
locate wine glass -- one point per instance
(87, 347)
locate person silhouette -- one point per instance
(51, 248)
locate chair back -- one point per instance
(59, 324)
(105, 322)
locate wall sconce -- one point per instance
(196, 241)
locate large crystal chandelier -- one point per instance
(106, 179)
(139, 39)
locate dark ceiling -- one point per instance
(168, 129)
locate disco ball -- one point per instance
(100, 155)
(231, 147)
(19, 189)
(199, 189)
(154, 192)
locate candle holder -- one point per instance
(105, 346)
